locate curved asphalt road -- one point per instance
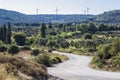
(77, 68)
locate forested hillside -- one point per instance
(107, 17)
(16, 17)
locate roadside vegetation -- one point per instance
(34, 44)
(108, 56)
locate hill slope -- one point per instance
(107, 17)
(12, 16)
(16, 17)
(17, 68)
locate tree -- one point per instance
(8, 34)
(43, 27)
(77, 27)
(92, 28)
(20, 38)
(1, 34)
(4, 34)
(50, 25)
(102, 27)
(83, 28)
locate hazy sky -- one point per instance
(64, 6)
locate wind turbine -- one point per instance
(87, 10)
(37, 11)
(84, 12)
(57, 10)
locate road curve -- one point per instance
(77, 68)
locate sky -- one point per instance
(64, 6)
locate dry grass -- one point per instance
(21, 66)
(17, 67)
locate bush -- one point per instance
(108, 56)
(3, 48)
(87, 36)
(50, 50)
(13, 49)
(44, 59)
(51, 43)
(56, 60)
(64, 44)
(29, 40)
(116, 62)
(20, 38)
(25, 48)
(91, 50)
(1, 43)
(35, 52)
(89, 44)
(42, 41)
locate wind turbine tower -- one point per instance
(37, 11)
(57, 10)
(87, 10)
(84, 12)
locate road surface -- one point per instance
(77, 68)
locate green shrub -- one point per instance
(13, 49)
(20, 38)
(64, 44)
(56, 60)
(29, 40)
(1, 43)
(116, 62)
(25, 48)
(87, 36)
(91, 50)
(50, 50)
(35, 52)
(3, 48)
(42, 41)
(44, 59)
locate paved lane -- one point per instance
(77, 68)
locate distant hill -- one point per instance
(16, 17)
(107, 17)
(12, 16)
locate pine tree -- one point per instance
(1, 33)
(8, 34)
(4, 30)
(43, 27)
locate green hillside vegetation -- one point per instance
(22, 19)
(111, 17)
(108, 56)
